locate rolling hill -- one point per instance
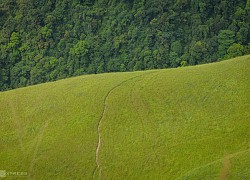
(183, 123)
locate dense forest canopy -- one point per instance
(46, 40)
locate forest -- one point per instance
(47, 40)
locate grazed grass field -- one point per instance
(184, 123)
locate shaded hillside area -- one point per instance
(43, 41)
(183, 123)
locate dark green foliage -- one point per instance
(225, 39)
(43, 41)
(235, 50)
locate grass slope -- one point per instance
(183, 123)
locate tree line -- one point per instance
(46, 40)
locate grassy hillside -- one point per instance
(179, 123)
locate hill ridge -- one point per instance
(140, 125)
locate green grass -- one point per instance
(162, 124)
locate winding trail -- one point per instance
(213, 162)
(39, 140)
(100, 122)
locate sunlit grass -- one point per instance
(158, 124)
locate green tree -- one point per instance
(235, 50)
(14, 40)
(46, 32)
(197, 53)
(183, 63)
(225, 39)
(78, 55)
(122, 68)
(177, 48)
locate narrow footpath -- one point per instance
(100, 122)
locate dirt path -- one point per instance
(100, 122)
(39, 140)
(214, 162)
